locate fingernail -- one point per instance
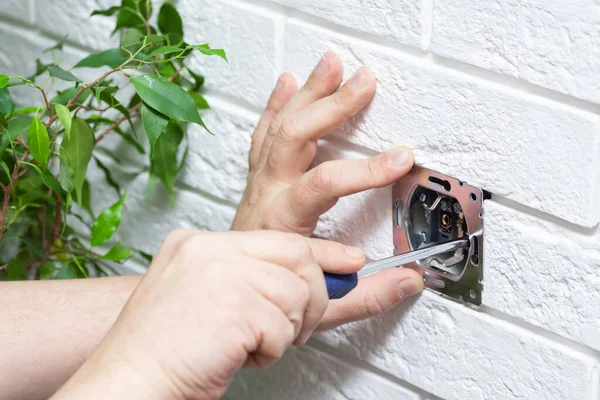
(399, 156)
(323, 66)
(355, 252)
(279, 85)
(409, 287)
(357, 81)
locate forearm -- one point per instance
(49, 328)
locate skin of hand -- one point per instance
(283, 192)
(210, 304)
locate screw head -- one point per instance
(423, 198)
(457, 208)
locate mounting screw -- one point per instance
(423, 198)
(457, 208)
(444, 205)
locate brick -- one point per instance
(542, 273)
(18, 9)
(523, 148)
(544, 42)
(305, 373)
(72, 18)
(219, 164)
(250, 37)
(401, 21)
(455, 352)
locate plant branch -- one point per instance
(118, 122)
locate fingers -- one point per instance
(336, 257)
(374, 295)
(284, 89)
(320, 188)
(322, 82)
(316, 121)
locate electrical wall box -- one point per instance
(431, 208)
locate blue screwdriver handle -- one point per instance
(339, 285)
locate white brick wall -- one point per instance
(501, 93)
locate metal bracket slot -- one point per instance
(431, 208)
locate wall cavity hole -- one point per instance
(443, 183)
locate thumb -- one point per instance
(374, 295)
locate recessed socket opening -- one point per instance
(432, 218)
(443, 183)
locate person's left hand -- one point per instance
(284, 194)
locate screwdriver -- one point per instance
(339, 285)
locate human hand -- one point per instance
(210, 304)
(283, 194)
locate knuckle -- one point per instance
(343, 103)
(324, 178)
(289, 130)
(303, 294)
(372, 304)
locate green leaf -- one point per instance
(127, 17)
(167, 98)
(164, 163)
(67, 271)
(107, 13)
(5, 169)
(39, 142)
(3, 80)
(26, 110)
(47, 270)
(64, 115)
(59, 73)
(198, 78)
(16, 271)
(86, 198)
(154, 124)
(16, 126)
(207, 51)
(58, 46)
(117, 253)
(110, 58)
(166, 50)
(200, 101)
(107, 223)
(132, 40)
(3, 123)
(66, 175)
(77, 150)
(5, 101)
(48, 179)
(169, 20)
(108, 176)
(67, 94)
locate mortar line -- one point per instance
(366, 366)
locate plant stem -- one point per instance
(118, 122)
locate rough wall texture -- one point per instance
(501, 93)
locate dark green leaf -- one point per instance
(166, 50)
(3, 80)
(16, 126)
(16, 271)
(128, 17)
(3, 123)
(207, 51)
(107, 13)
(40, 68)
(108, 176)
(77, 150)
(67, 94)
(198, 78)
(132, 40)
(164, 163)
(167, 98)
(169, 20)
(64, 115)
(32, 245)
(48, 179)
(67, 271)
(58, 46)
(107, 223)
(4, 142)
(86, 198)
(66, 175)
(117, 253)
(5, 101)
(110, 58)
(47, 270)
(59, 73)
(39, 142)
(5, 169)
(154, 124)
(200, 101)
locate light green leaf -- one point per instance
(154, 124)
(66, 175)
(164, 163)
(117, 253)
(39, 142)
(3, 123)
(64, 115)
(3, 80)
(47, 270)
(169, 21)
(77, 151)
(59, 73)
(132, 40)
(167, 98)
(107, 223)
(107, 13)
(110, 58)
(5, 101)
(26, 110)
(200, 101)
(16, 126)
(166, 50)
(207, 51)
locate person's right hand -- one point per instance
(210, 304)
